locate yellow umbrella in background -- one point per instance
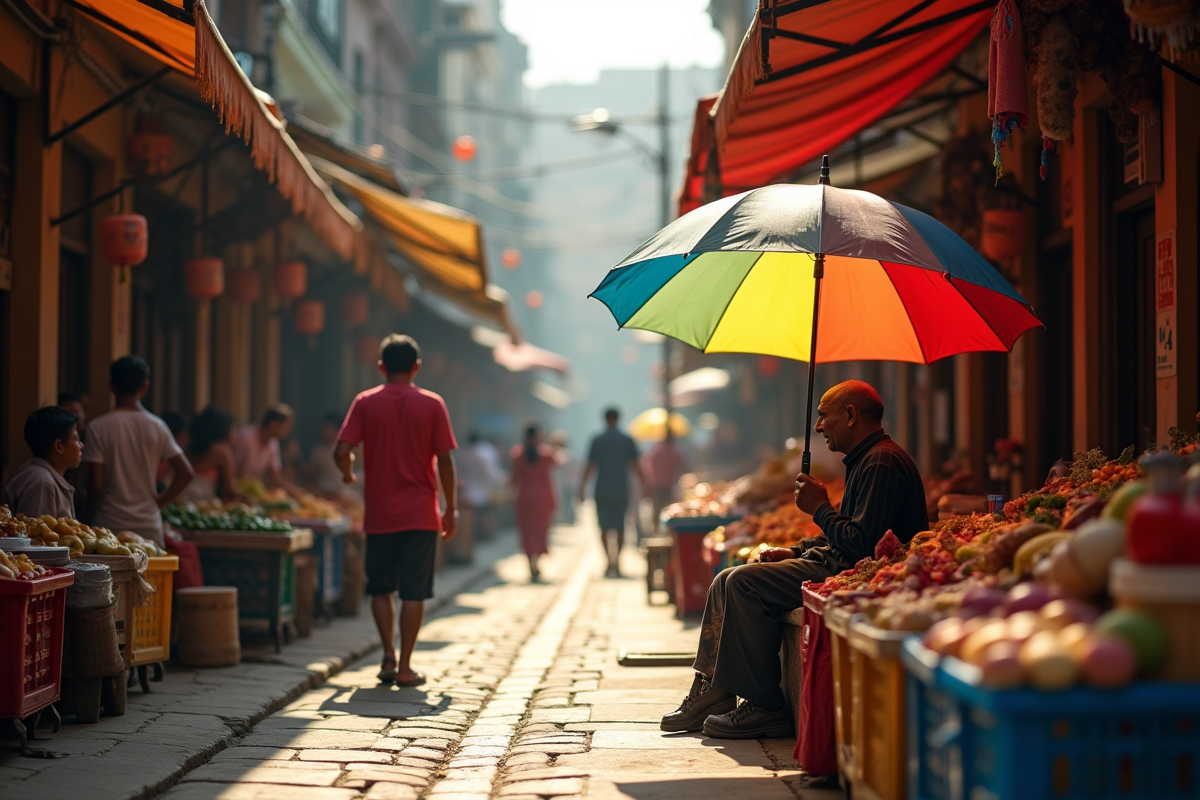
(651, 425)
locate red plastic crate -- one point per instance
(31, 642)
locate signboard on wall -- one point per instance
(1164, 293)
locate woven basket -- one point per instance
(90, 644)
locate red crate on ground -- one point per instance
(31, 642)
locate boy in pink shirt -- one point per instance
(406, 438)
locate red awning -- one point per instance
(809, 76)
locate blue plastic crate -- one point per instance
(970, 743)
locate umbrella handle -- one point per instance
(818, 274)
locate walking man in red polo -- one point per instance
(406, 438)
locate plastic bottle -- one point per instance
(1156, 532)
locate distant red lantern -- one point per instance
(768, 366)
(534, 299)
(124, 239)
(245, 286)
(464, 148)
(368, 349)
(310, 317)
(1003, 236)
(150, 147)
(205, 278)
(290, 279)
(356, 308)
(511, 258)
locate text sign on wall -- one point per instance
(1164, 274)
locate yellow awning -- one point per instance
(441, 240)
(191, 43)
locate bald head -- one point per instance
(849, 413)
(859, 394)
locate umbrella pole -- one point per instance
(818, 274)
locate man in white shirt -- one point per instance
(256, 448)
(124, 449)
(480, 476)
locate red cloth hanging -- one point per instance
(1008, 99)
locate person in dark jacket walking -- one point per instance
(742, 628)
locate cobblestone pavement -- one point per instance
(525, 700)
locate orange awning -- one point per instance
(809, 76)
(190, 42)
(163, 29)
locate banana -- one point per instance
(1029, 552)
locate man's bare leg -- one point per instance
(383, 608)
(412, 614)
(612, 550)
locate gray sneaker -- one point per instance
(748, 721)
(703, 700)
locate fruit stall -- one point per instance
(1046, 651)
(257, 554)
(723, 524)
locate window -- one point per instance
(325, 19)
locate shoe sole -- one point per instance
(698, 725)
(780, 732)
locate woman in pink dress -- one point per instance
(532, 477)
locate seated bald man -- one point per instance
(738, 654)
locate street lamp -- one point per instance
(601, 121)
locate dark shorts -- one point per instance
(611, 510)
(401, 562)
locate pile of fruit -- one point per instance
(308, 506)
(19, 567)
(47, 531)
(1031, 637)
(256, 492)
(236, 517)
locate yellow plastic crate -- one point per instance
(878, 740)
(152, 621)
(837, 622)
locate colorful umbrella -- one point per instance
(817, 274)
(651, 425)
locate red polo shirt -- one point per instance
(402, 428)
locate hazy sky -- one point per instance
(570, 41)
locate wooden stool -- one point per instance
(658, 559)
(207, 621)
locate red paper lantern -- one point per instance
(1003, 237)
(768, 366)
(290, 279)
(534, 299)
(310, 317)
(124, 239)
(356, 308)
(510, 258)
(245, 287)
(205, 278)
(368, 349)
(464, 148)
(150, 147)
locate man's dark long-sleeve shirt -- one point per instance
(883, 492)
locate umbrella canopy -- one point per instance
(737, 275)
(650, 425)
(816, 274)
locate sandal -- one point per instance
(387, 671)
(415, 681)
